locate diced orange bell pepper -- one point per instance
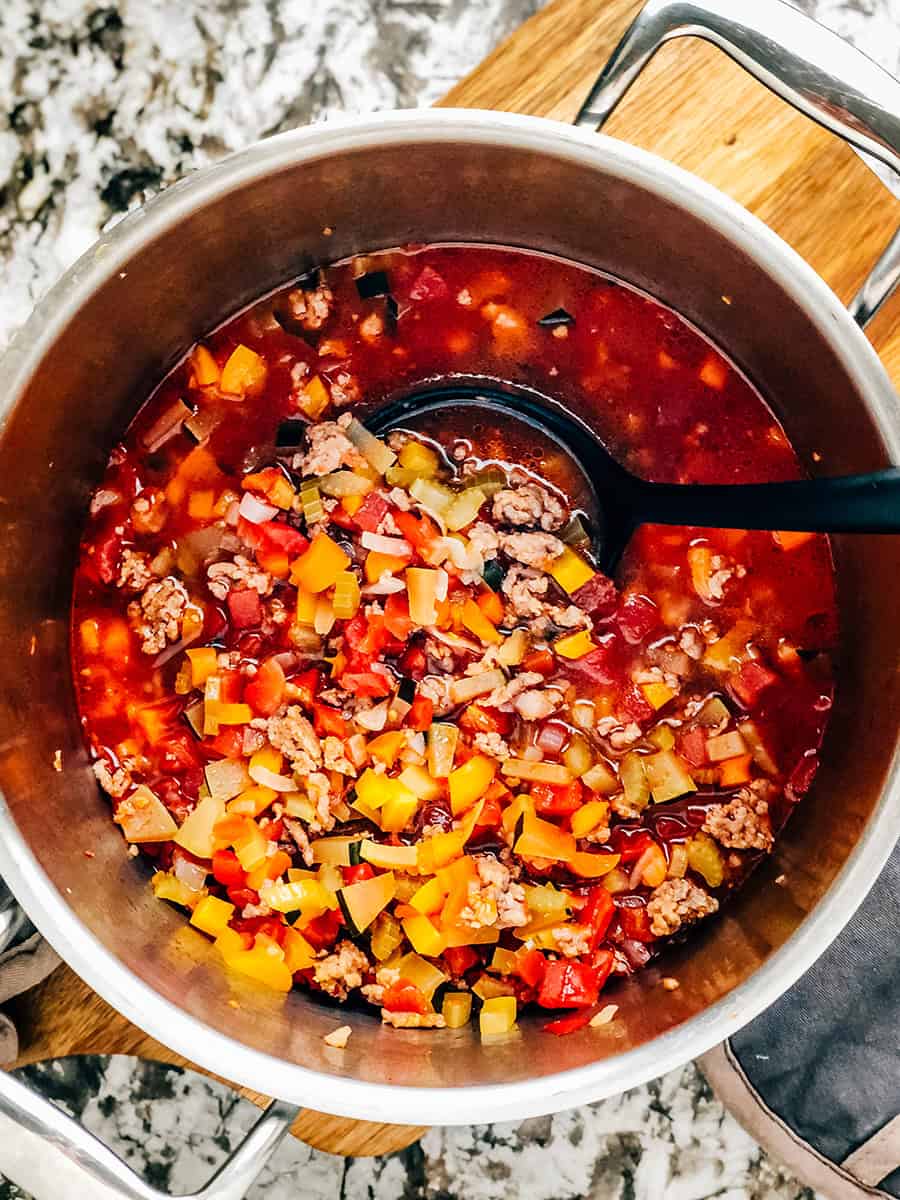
(790, 539)
(491, 605)
(735, 771)
(469, 782)
(203, 664)
(244, 374)
(377, 563)
(476, 622)
(319, 567)
(543, 839)
(387, 746)
(204, 368)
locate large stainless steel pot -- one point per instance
(174, 269)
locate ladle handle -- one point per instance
(800, 60)
(846, 504)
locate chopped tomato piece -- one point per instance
(413, 662)
(635, 923)
(307, 684)
(404, 996)
(323, 931)
(358, 873)
(557, 800)
(540, 661)
(329, 721)
(396, 616)
(421, 713)
(265, 692)
(531, 966)
(284, 537)
(636, 617)
(635, 706)
(428, 285)
(419, 531)
(598, 596)
(751, 681)
(477, 719)
(692, 747)
(371, 512)
(461, 959)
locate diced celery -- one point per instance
(726, 745)
(311, 503)
(634, 780)
(704, 858)
(432, 495)
(667, 776)
(457, 1009)
(372, 448)
(465, 508)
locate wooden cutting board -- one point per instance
(694, 107)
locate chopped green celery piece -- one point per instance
(311, 503)
(400, 476)
(431, 494)
(713, 712)
(370, 447)
(345, 483)
(574, 533)
(489, 479)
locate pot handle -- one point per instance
(51, 1155)
(806, 64)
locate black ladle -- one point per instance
(846, 504)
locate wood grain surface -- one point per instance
(696, 108)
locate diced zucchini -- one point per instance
(144, 818)
(370, 447)
(345, 483)
(578, 756)
(634, 780)
(490, 480)
(433, 495)
(465, 508)
(457, 1009)
(421, 973)
(601, 778)
(341, 851)
(537, 772)
(471, 686)
(498, 1016)
(362, 902)
(667, 776)
(403, 858)
(713, 713)
(387, 936)
(704, 858)
(757, 747)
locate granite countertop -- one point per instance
(103, 103)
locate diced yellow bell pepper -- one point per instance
(212, 915)
(244, 374)
(424, 937)
(265, 963)
(662, 737)
(346, 596)
(387, 746)
(204, 368)
(589, 817)
(571, 571)
(203, 664)
(229, 942)
(314, 398)
(398, 812)
(319, 567)
(575, 645)
(307, 896)
(657, 694)
(476, 622)
(417, 779)
(504, 961)
(429, 898)
(251, 847)
(269, 759)
(306, 607)
(351, 504)
(374, 790)
(465, 935)
(731, 649)
(215, 713)
(667, 775)
(298, 953)
(498, 1016)
(252, 802)
(469, 782)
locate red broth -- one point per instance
(708, 659)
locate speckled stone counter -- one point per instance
(101, 105)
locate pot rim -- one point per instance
(341, 1096)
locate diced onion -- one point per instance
(441, 584)
(191, 874)
(345, 483)
(386, 586)
(373, 718)
(266, 778)
(538, 772)
(254, 510)
(386, 545)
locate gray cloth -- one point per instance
(24, 965)
(823, 1062)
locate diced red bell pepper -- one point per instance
(563, 1025)
(404, 996)
(630, 844)
(692, 747)
(307, 684)
(107, 549)
(329, 721)
(421, 713)
(477, 719)
(801, 777)
(227, 870)
(228, 742)
(531, 966)
(265, 692)
(363, 683)
(491, 815)
(358, 873)
(635, 923)
(396, 616)
(597, 914)
(340, 517)
(557, 800)
(284, 537)
(419, 531)
(249, 533)
(636, 617)
(323, 931)
(371, 512)
(568, 984)
(244, 608)
(460, 959)
(751, 681)
(598, 596)
(428, 285)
